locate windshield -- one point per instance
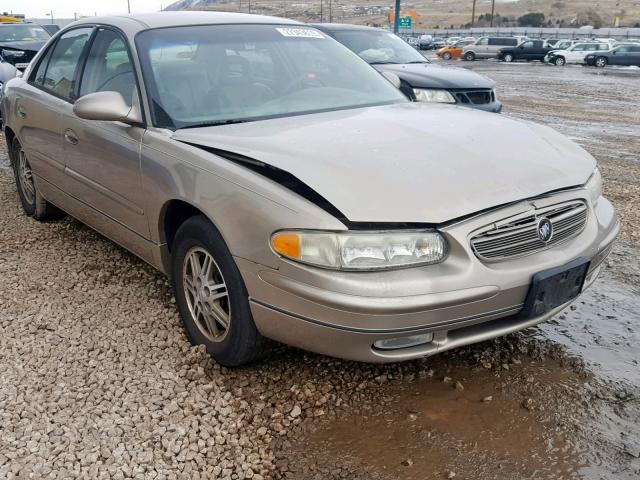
(23, 33)
(212, 74)
(376, 46)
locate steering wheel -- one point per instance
(306, 78)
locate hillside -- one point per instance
(435, 13)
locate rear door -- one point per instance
(39, 104)
(538, 50)
(620, 56)
(577, 53)
(103, 158)
(481, 47)
(525, 50)
(635, 55)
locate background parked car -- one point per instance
(420, 79)
(625, 55)
(488, 47)
(19, 43)
(453, 51)
(576, 53)
(425, 42)
(527, 50)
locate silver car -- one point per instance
(292, 193)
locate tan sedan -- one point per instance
(292, 193)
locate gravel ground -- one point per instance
(100, 382)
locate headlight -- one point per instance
(440, 96)
(361, 250)
(594, 186)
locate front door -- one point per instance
(103, 158)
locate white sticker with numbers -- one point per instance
(300, 32)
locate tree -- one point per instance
(531, 20)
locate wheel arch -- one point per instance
(173, 214)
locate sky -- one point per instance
(67, 8)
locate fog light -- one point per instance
(403, 342)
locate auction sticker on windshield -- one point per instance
(300, 32)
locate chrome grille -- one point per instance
(518, 235)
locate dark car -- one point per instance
(626, 55)
(420, 80)
(527, 50)
(19, 43)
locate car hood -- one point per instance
(426, 75)
(408, 162)
(31, 46)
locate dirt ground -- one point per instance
(98, 380)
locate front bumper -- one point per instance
(459, 301)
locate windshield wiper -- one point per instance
(418, 61)
(216, 123)
(383, 63)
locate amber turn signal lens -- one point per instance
(287, 244)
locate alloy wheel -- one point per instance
(25, 176)
(601, 62)
(206, 294)
(508, 58)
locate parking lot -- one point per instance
(99, 380)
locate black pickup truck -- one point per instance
(527, 50)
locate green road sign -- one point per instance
(405, 22)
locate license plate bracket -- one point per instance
(554, 287)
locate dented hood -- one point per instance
(408, 162)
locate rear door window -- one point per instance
(59, 76)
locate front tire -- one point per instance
(559, 61)
(446, 56)
(32, 201)
(469, 56)
(508, 58)
(211, 296)
(600, 62)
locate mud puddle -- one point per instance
(466, 425)
(603, 329)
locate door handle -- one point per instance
(71, 137)
(21, 112)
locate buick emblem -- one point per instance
(545, 229)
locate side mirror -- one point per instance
(107, 106)
(393, 79)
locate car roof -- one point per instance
(145, 21)
(336, 27)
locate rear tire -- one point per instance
(211, 296)
(600, 62)
(559, 61)
(32, 201)
(446, 56)
(469, 56)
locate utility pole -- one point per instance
(330, 12)
(321, 18)
(129, 6)
(473, 13)
(249, 6)
(493, 9)
(396, 17)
